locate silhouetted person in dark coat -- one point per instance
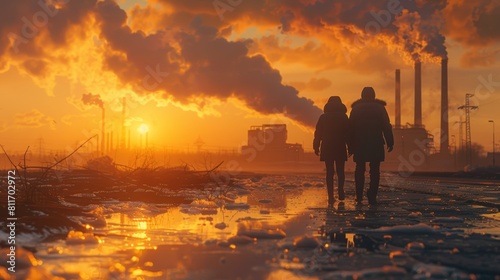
(330, 144)
(369, 130)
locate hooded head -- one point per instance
(335, 99)
(368, 96)
(335, 104)
(368, 93)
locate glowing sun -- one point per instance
(143, 128)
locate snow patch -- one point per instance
(448, 220)
(420, 228)
(237, 206)
(384, 272)
(306, 242)
(254, 229)
(78, 237)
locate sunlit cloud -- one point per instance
(34, 119)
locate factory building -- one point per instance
(268, 143)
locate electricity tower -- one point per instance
(468, 142)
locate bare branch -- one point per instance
(70, 154)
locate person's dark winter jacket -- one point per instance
(331, 131)
(369, 126)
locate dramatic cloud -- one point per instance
(91, 99)
(199, 63)
(313, 84)
(37, 37)
(475, 25)
(33, 119)
(484, 57)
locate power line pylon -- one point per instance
(468, 141)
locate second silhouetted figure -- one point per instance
(330, 144)
(369, 130)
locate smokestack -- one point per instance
(103, 132)
(418, 94)
(444, 141)
(128, 139)
(107, 142)
(122, 137)
(398, 98)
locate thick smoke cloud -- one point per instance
(92, 99)
(419, 31)
(30, 30)
(419, 28)
(413, 26)
(203, 64)
(474, 24)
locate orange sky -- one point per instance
(211, 69)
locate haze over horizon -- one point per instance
(209, 70)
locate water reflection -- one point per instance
(169, 242)
(268, 199)
(351, 241)
(204, 262)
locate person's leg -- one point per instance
(359, 177)
(374, 182)
(330, 171)
(340, 164)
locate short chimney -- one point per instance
(398, 99)
(418, 94)
(444, 141)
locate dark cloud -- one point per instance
(487, 22)
(92, 99)
(31, 30)
(214, 66)
(372, 18)
(314, 84)
(33, 119)
(473, 23)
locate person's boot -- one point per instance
(331, 200)
(341, 189)
(372, 192)
(372, 195)
(359, 177)
(360, 183)
(359, 194)
(329, 187)
(341, 193)
(374, 183)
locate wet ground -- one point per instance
(278, 227)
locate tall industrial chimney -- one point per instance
(103, 132)
(398, 99)
(122, 137)
(418, 94)
(444, 140)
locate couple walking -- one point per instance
(364, 133)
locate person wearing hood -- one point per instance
(369, 130)
(330, 139)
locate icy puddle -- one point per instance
(277, 227)
(222, 236)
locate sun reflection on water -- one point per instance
(134, 232)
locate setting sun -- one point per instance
(143, 128)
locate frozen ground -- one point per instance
(277, 227)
